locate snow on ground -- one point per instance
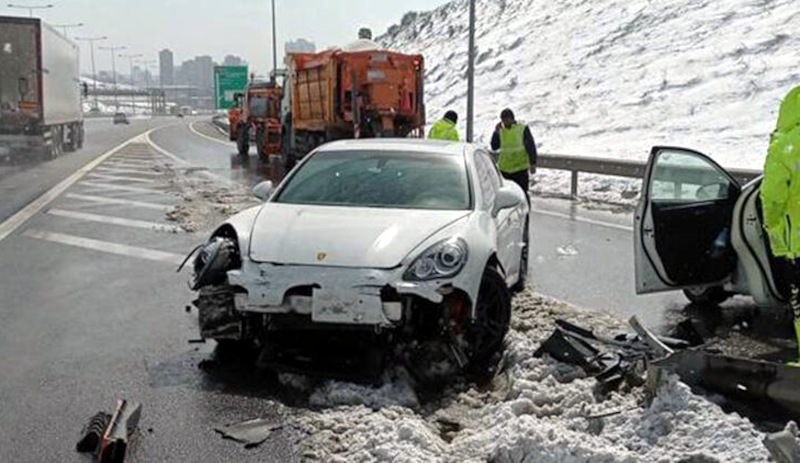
(536, 410)
(612, 78)
(206, 202)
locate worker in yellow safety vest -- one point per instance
(445, 128)
(780, 199)
(517, 148)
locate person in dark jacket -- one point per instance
(517, 148)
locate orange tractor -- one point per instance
(361, 91)
(256, 117)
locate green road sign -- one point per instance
(228, 80)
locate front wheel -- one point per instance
(492, 318)
(243, 142)
(713, 295)
(522, 281)
(261, 141)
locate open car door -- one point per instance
(683, 222)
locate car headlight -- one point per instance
(442, 260)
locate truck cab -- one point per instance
(256, 117)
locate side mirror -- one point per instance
(263, 190)
(509, 195)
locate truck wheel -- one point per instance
(81, 136)
(72, 137)
(492, 318)
(714, 295)
(243, 142)
(261, 139)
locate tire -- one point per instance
(522, 283)
(72, 136)
(714, 295)
(243, 142)
(261, 138)
(487, 332)
(81, 135)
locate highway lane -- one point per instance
(92, 310)
(23, 180)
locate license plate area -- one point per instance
(345, 306)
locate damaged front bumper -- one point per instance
(351, 296)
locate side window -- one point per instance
(687, 178)
(488, 179)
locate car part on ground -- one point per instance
(106, 436)
(251, 433)
(628, 357)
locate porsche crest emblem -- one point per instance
(321, 256)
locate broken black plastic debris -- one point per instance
(106, 436)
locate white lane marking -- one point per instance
(105, 246)
(229, 144)
(120, 201)
(113, 170)
(584, 220)
(129, 163)
(107, 219)
(22, 216)
(109, 186)
(123, 178)
(129, 157)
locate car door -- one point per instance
(683, 222)
(508, 222)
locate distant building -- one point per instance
(300, 46)
(198, 73)
(232, 60)
(166, 67)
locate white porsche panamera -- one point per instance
(409, 244)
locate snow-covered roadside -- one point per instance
(537, 410)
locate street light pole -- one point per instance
(274, 46)
(146, 65)
(133, 84)
(30, 8)
(64, 27)
(471, 73)
(91, 41)
(113, 51)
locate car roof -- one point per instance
(400, 144)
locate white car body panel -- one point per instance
(342, 236)
(752, 275)
(344, 253)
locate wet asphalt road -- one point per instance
(91, 310)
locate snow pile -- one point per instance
(536, 410)
(612, 78)
(206, 202)
(396, 391)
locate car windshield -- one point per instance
(403, 180)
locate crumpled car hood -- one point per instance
(342, 236)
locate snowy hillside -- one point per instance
(614, 77)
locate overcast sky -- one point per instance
(219, 27)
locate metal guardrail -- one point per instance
(577, 165)
(614, 168)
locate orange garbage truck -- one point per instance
(256, 118)
(359, 91)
